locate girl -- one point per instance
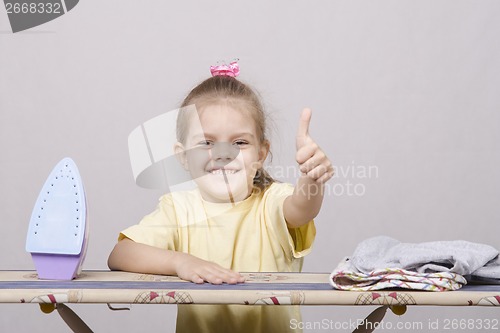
(238, 218)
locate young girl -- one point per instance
(238, 218)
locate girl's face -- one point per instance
(222, 152)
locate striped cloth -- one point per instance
(347, 277)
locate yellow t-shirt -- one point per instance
(247, 236)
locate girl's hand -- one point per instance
(312, 161)
(197, 270)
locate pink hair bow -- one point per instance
(233, 69)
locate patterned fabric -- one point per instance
(273, 289)
(347, 277)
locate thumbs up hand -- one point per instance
(312, 161)
(305, 202)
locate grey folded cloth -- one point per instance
(461, 257)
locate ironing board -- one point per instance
(259, 289)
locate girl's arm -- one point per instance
(130, 256)
(305, 202)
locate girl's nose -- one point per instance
(225, 151)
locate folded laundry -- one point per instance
(461, 257)
(347, 277)
(490, 271)
(383, 262)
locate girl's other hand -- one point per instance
(312, 161)
(194, 269)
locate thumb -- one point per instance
(303, 131)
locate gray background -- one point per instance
(410, 87)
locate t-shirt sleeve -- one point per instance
(158, 229)
(296, 242)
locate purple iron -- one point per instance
(58, 230)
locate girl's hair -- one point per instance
(227, 89)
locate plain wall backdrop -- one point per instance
(408, 88)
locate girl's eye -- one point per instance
(205, 143)
(240, 143)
